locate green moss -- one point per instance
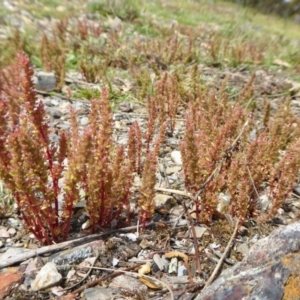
(86, 94)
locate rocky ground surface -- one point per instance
(260, 262)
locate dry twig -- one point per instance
(218, 266)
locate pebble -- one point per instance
(199, 231)
(12, 231)
(13, 222)
(102, 293)
(164, 201)
(8, 279)
(173, 265)
(84, 121)
(296, 190)
(264, 202)
(182, 271)
(176, 157)
(159, 261)
(115, 262)
(86, 224)
(47, 277)
(44, 81)
(242, 248)
(280, 211)
(172, 170)
(131, 236)
(4, 233)
(128, 283)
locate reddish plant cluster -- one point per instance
(38, 173)
(223, 151)
(220, 154)
(30, 167)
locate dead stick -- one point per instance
(97, 281)
(57, 247)
(218, 266)
(197, 256)
(176, 192)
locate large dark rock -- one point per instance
(270, 271)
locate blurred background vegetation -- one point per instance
(283, 8)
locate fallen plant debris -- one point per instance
(140, 156)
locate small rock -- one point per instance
(296, 203)
(12, 231)
(173, 265)
(32, 267)
(54, 112)
(57, 291)
(102, 294)
(115, 262)
(84, 121)
(86, 224)
(65, 125)
(129, 283)
(125, 107)
(8, 279)
(131, 236)
(264, 202)
(118, 117)
(182, 271)
(296, 190)
(214, 246)
(164, 201)
(292, 215)
(243, 230)
(13, 222)
(47, 277)
(224, 202)
(4, 233)
(172, 170)
(44, 81)
(55, 102)
(159, 261)
(243, 248)
(176, 157)
(199, 231)
(145, 243)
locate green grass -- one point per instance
(206, 20)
